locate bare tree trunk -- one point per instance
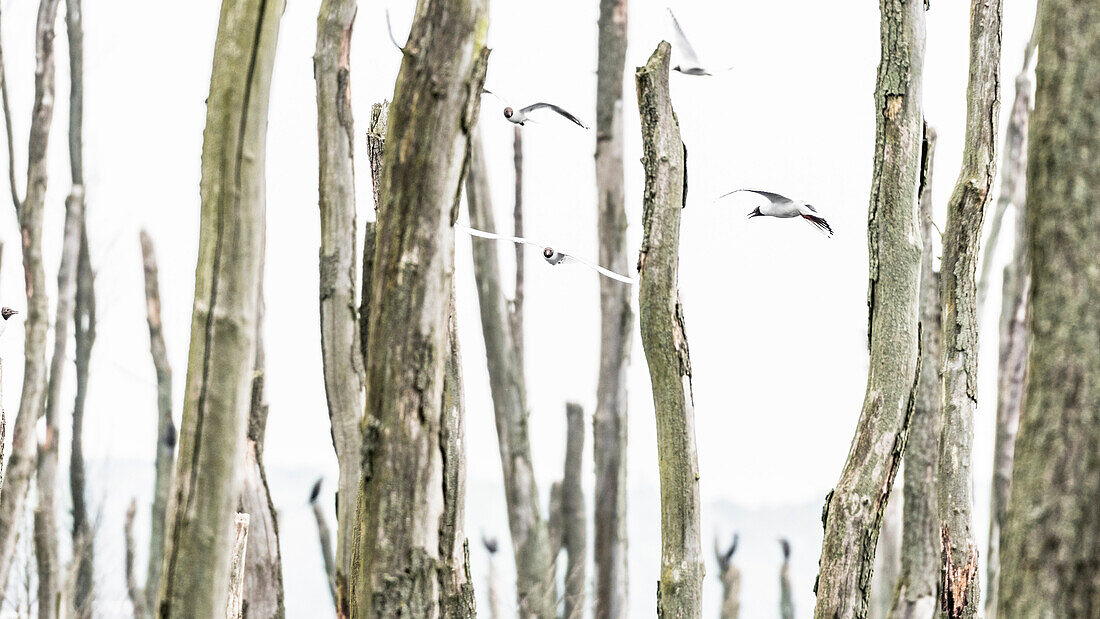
(887, 561)
(492, 580)
(401, 495)
(21, 461)
(1013, 332)
(137, 598)
(958, 300)
(533, 552)
(786, 597)
(680, 590)
(516, 313)
(731, 580)
(324, 534)
(166, 429)
(609, 423)
(853, 511)
(574, 519)
(235, 603)
(376, 142)
(917, 591)
(223, 328)
(341, 348)
(1051, 535)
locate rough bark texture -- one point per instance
(959, 591)
(376, 142)
(235, 603)
(609, 422)
(574, 520)
(341, 350)
(1051, 537)
(21, 461)
(853, 511)
(679, 593)
(396, 563)
(530, 538)
(1012, 327)
(137, 598)
(731, 580)
(786, 597)
(917, 591)
(223, 325)
(324, 534)
(166, 429)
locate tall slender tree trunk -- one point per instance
(574, 519)
(917, 592)
(401, 499)
(21, 461)
(853, 510)
(609, 423)
(731, 580)
(786, 596)
(958, 299)
(1051, 536)
(340, 344)
(223, 326)
(533, 552)
(680, 590)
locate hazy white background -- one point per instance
(776, 313)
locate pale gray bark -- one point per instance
(959, 590)
(609, 422)
(1051, 536)
(679, 592)
(137, 598)
(23, 456)
(454, 574)
(853, 510)
(917, 591)
(223, 327)
(786, 597)
(376, 142)
(324, 535)
(235, 602)
(396, 561)
(492, 579)
(574, 519)
(341, 350)
(516, 311)
(731, 579)
(887, 560)
(533, 552)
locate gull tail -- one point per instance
(820, 224)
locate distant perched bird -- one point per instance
(784, 207)
(521, 116)
(6, 313)
(315, 492)
(689, 60)
(786, 546)
(490, 544)
(551, 255)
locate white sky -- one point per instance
(776, 313)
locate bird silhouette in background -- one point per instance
(6, 313)
(522, 115)
(551, 255)
(784, 207)
(689, 60)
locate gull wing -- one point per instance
(389, 29)
(599, 269)
(683, 47)
(500, 237)
(486, 91)
(772, 197)
(538, 106)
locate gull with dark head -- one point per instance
(550, 254)
(784, 207)
(6, 313)
(522, 115)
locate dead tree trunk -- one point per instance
(401, 496)
(533, 553)
(853, 510)
(1051, 536)
(958, 300)
(680, 591)
(786, 597)
(887, 560)
(235, 604)
(324, 534)
(21, 461)
(166, 429)
(340, 345)
(609, 422)
(223, 326)
(516, 311)
(731, 580)
(492, 580)
(916, 594)
(137, 598)
(574, 519)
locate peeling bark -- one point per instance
(664, 339)
(235, 604)
(852, 515)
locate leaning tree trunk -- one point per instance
(958, 302)
(223, 327)
(533, 552)
(853, 510)
(680, 590)
(609, 422)
(340, 346)
(574, 522)
(916, 594)
(21, 461)
(1051, 536)
(401, 502)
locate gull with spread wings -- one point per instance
(522, 115)
(784, 207)
(689, 60)
(551, 255)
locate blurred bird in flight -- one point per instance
(689, 60)
(522, 115)
(549, 254)
(784, 207)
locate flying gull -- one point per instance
(689, 60)
(521, 116)
(784, 207)
(551, 255)
(5, 313)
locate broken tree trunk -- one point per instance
(223, 325)
(21, 461)
(341, 350)
(530, 537)
(396, 562)
(731, 579)
(492, 580)
(609, 422)
(853, 511)
(916, 594)
(680, 591)
(324, 535)
(1051, 536)
(574, 520)
(786, 597)
(958, 302)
